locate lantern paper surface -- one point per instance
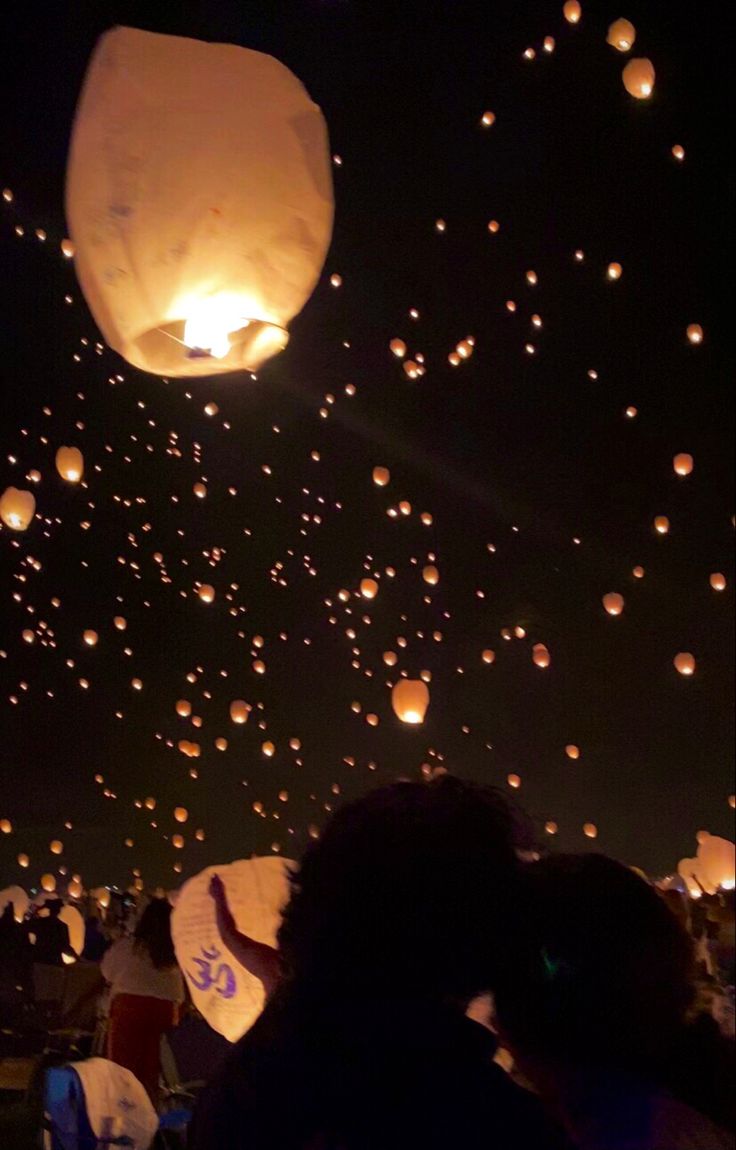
(75, 925)
(19, 899)
(222, 990)
(201, 212)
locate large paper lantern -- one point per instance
(70, 464)
(225, 993)
(199, 200)
(17, 508)
(410, 699)
(638, 78)
(621, 35)
(75, 925)
(717, 858)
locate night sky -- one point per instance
(525, 452)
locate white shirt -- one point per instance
(129, 970)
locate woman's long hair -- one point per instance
(153, 933)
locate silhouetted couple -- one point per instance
(413, 902)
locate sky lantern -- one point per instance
(717, 860)
(431, 575)
(90, 637)
(368, 588)
(6, 826)
(398, 348)
(17, 508)
(638, 78)
(200, 490)
(239, 711)
(120, 623)
(718, 581)
(75, 889)
(572, 11)
(206, 593)
(621, 35)
(683, 464)
(694, 333)
(56, 847)
(550, 827)
(410, 699)
(488, 656)
(590, 830)
(614, 271)
(181, 814)
(488, 119)
(381, 476)
(23, 860)
(540, 655)
(613, 603)
(678, 151)
(638, 572)
(177, 841)
(685, 663)
(70, 464)
(572, 751)
(236, 180)
(183, 708)
(48, 883)
(268, 749)
(661, 524)
(390, 658)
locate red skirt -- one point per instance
(134, 1035)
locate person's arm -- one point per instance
(258, 958)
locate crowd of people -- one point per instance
(438, 985)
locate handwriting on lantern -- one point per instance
(208, 975)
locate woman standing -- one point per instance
(146, 991)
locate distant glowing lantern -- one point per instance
(540, 655)
(694, 333)
(239, 711)
(17, 508)
(389, 658)
(398, 348)
(90, 638)
(638, 78)
(206, 593)
(218, 208)
(120, 623)
(489, 656)
(683, 464)
(75, 889)
(488, 119)
(23, 860)
(381, 476)
(717, 859)
(431, 575)
(685, 663)
(48, 883)
(590, 830)
(177, 841)
(550, 828)
(613, 603)
(6, 826)
(268, 749)
(572, 11)
(572, 751)
(56, 847)
(661, 524)
(181, 814)
(200, 490)
(70, 464)
(372, 720)
(718, 581)
(638, 572)
(368, 588)
(410, 699)
(405, 507)
(183, 708)
(336, 280)
(614, 271)
(621, 35)
(514, 781)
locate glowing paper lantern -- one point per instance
(23, 860)
(227, 995)
(390, 658)
(183, 708)
(613, 603)
(120, 622)
(638, 78)
(540, 655)
(90, 638)
(685, 663)
(572, 751)
(488, 119)
(683, 464)
(398, 347)
(431, 575)
(661, 524)
(181, 814)
(206, 593)
(489, 656)
(48, 883)
(70, 464)
(590, 830)
(621, 35)
(6, 826)
(17, 508)
(410, 699)
(56, 847)
(718, 581)
(381, 476)
(614, 271)
(75, 924)
(239, 711)
(694, 333)
(75, 889)
(368, 588)
(201, 217)
(572, 11)
(717, 858)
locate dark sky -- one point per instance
(505, 441)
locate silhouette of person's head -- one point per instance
(391, 900)
(604, 977)
(54, 907)
(153, 933)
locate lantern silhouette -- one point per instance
(638, 78)
(201, 213)
(17, 508)
(410, 699)
(621, 35)
(70, 464)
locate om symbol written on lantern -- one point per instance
(222, 977)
